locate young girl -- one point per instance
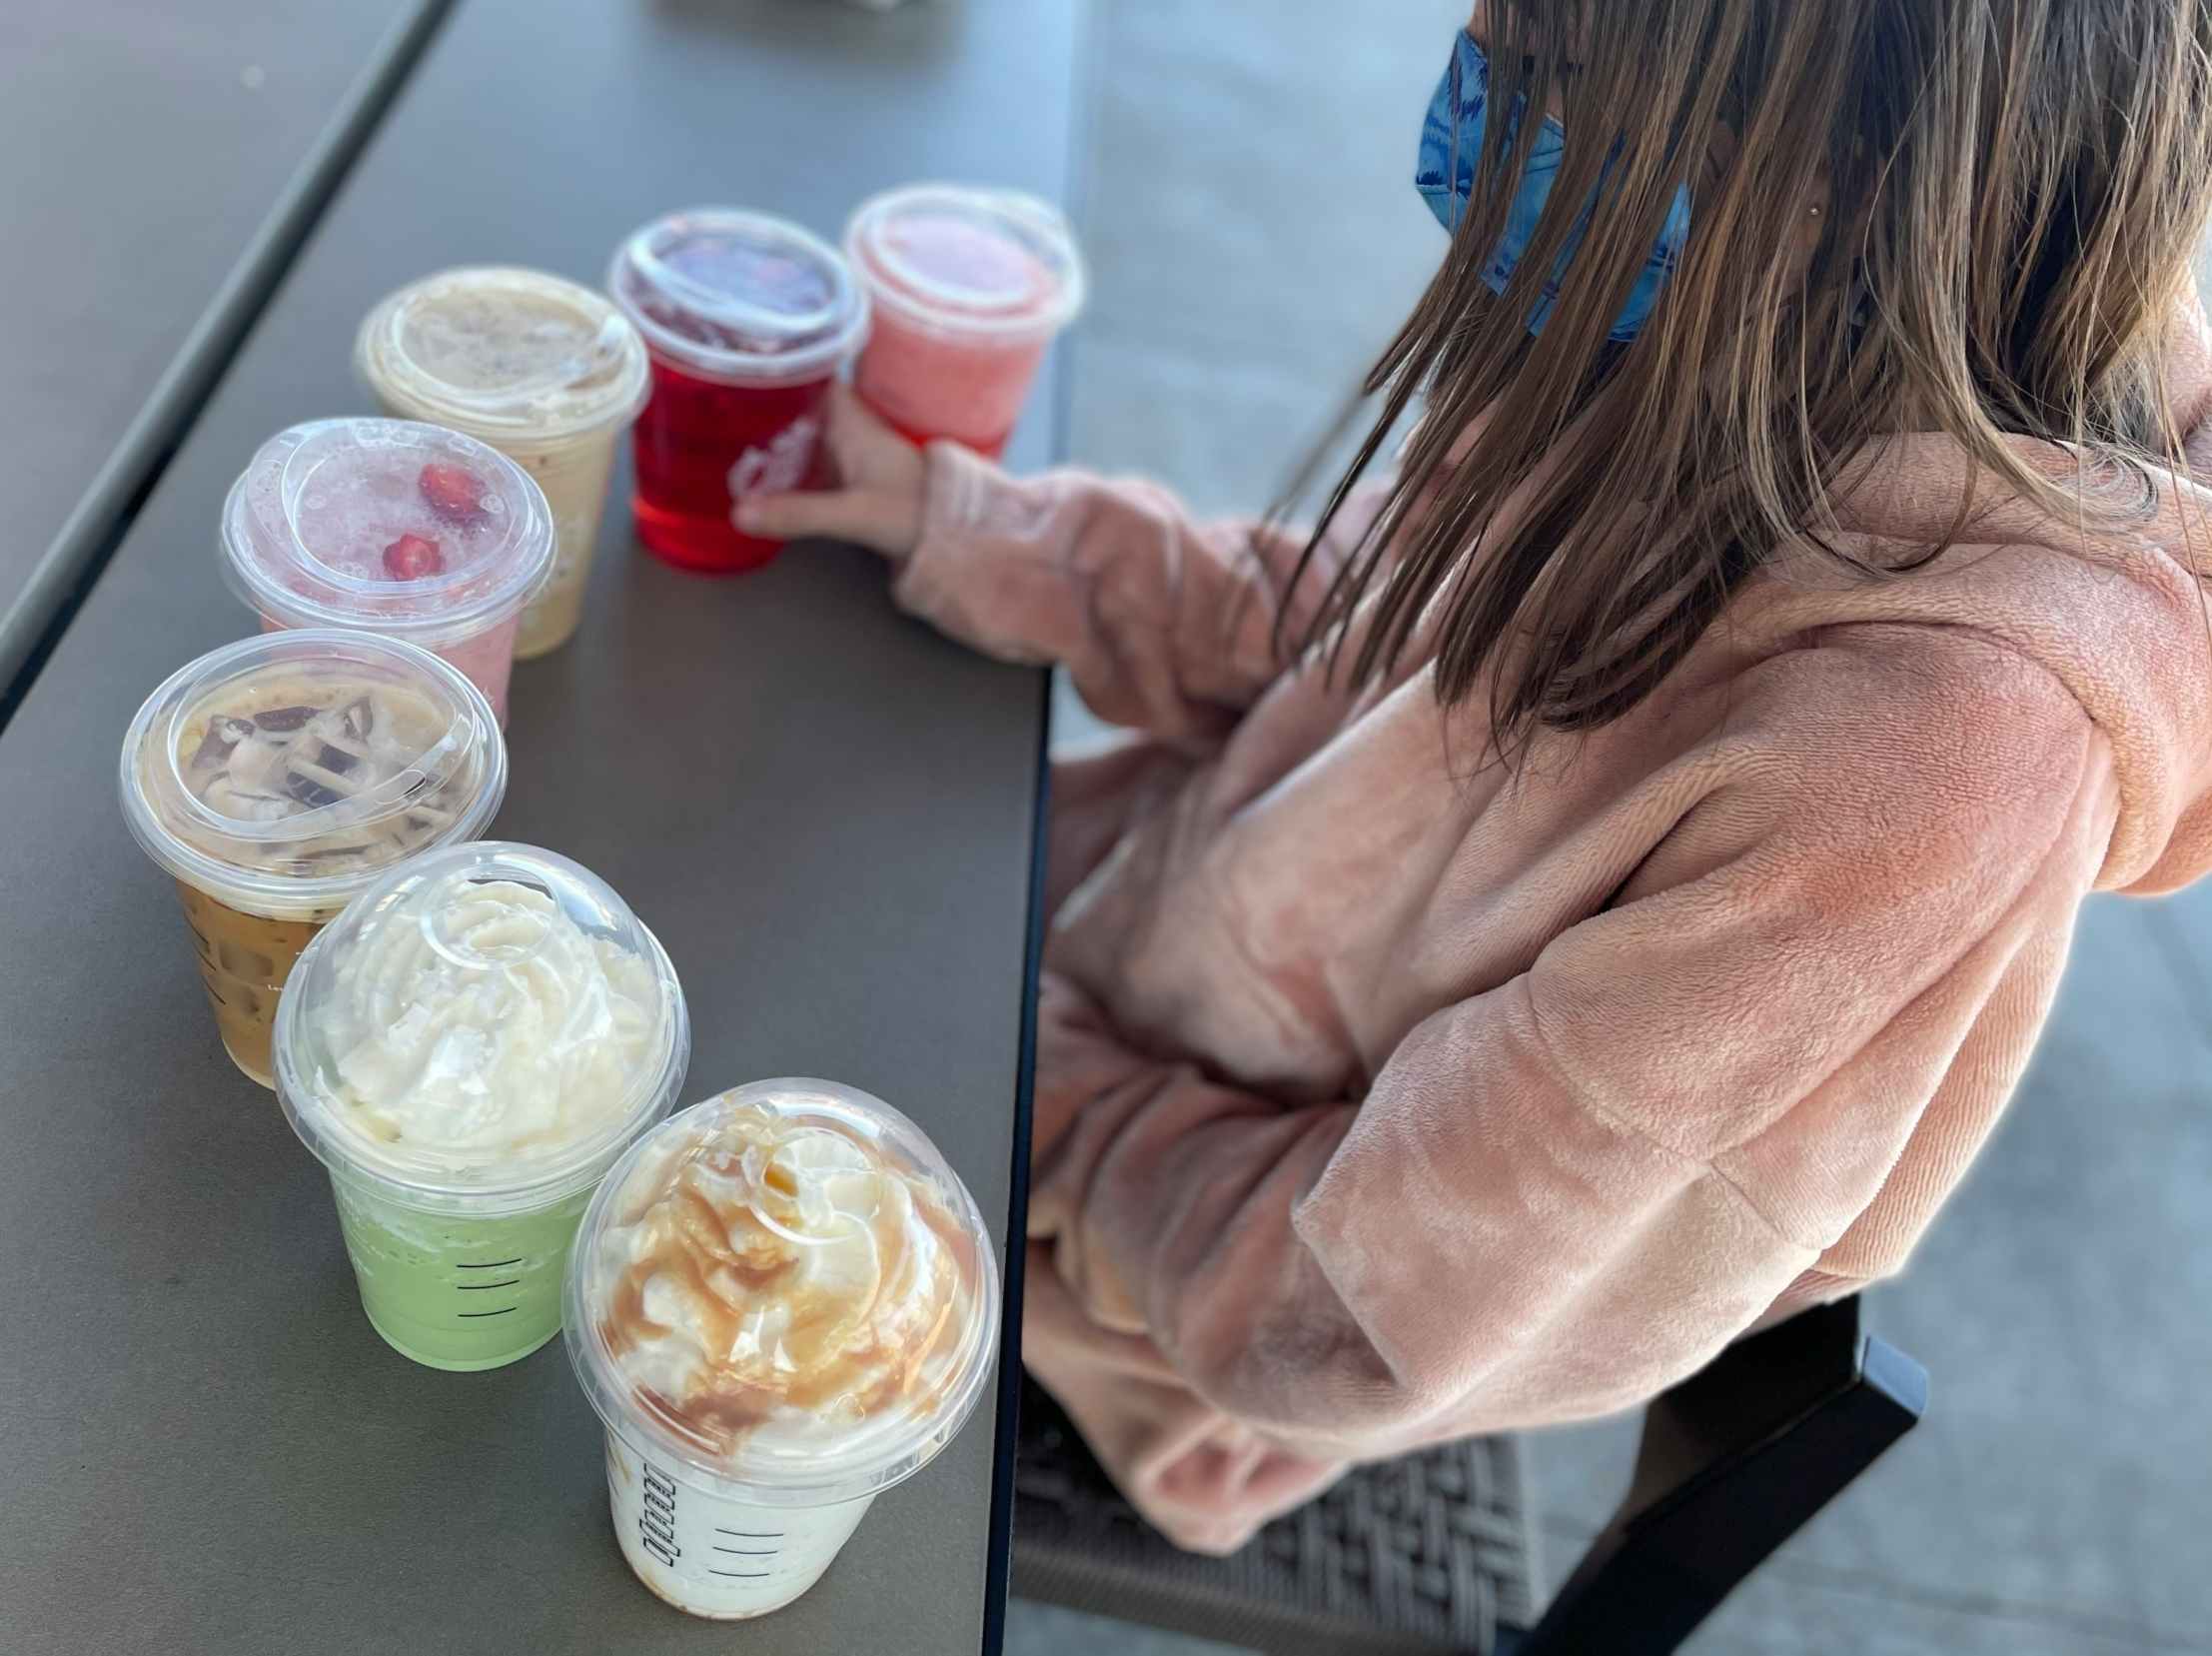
(1596, 896)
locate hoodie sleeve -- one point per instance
(1560, 1196)
(1165, 624)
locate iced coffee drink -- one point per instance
(274, 778)
(782, 1303)
(548, 372)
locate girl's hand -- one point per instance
(876, 497)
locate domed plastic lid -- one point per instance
(283, 773)
(487, 1027)
(504, 354)
(788, 1291)
(968, 261)
(388, 524)
(741, 295)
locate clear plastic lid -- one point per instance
(285, 773)
(741, 295)
(388, 524)
(504, 354)
(485, 1029)
(788, 1291)
(968, 261)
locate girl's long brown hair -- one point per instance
(2009, 195)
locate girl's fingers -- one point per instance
(861, 444)
(877, 503)
(860, 516)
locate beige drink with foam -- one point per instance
(546, 371)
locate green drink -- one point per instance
(455, 1290)
(468, 1048)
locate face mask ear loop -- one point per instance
(1456, 75)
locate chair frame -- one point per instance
(1731, 1463)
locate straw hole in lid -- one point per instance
(516, 934)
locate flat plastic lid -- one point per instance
(504, 354)
(967, 260)
(283, 773)
(788, 1291)
(488, 1026)
(388, 524)
(741, 295)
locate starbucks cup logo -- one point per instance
(780, 466)
(656, 1514)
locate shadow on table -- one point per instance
(920, 31)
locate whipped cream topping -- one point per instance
(487, 1030)
(774, 1279)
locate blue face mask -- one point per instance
(1450, 140)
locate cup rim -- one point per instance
(338, 599)
(493, 416)
(266, 893)
(842, 323)
(1030, 221)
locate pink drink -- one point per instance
(747, 318)
(408, 530)
(969, 288)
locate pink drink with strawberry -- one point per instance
(970, 288)
(395, 528)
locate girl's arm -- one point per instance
(1165, 624)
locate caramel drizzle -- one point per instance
(727, 1263)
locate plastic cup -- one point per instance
(396, 528)
(468, 1050)
(747, 320)
(543, 370)
(782, 1302)
(275, 779)
(969, 288)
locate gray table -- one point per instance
(827, 814)
(162, 161)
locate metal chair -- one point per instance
(1435, 1553)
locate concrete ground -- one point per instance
(1255, 236)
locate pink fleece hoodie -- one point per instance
(1387, 1095)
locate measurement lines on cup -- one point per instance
(747, 1552)
(481, 1287)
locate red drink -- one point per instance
(694, 434)
(747, 318)
(969, 288)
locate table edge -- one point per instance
(33, 621)
(999, 1536)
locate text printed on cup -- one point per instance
(744, 1554)
(782, 466)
